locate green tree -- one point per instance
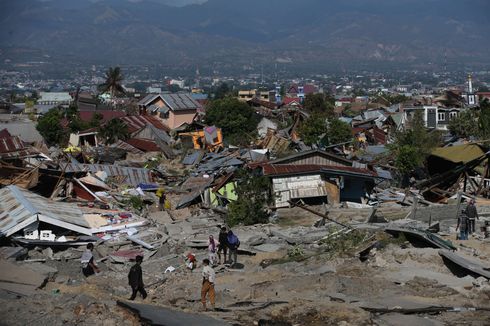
(29, 105)
(337, 132)
(408, 158)
(464, 125)
(313, 129)
(49, 126)
(318, 129)
(222, 91)
(113, 131)
(411, 147)
(236, 119)
(95, 120)
(173, 88)
(319, 103)
(112, 84)
(484, 120)
(253, 194)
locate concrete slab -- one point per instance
(20, 280)
(268, 247)
(161, 217)
(403, 320)
(157, 315)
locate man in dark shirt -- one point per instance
(135, 278)
(463, 226)
(472, 214)
(223, 244)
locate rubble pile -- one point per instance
(341, 245)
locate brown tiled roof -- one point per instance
(106, 115)
(288, 169)
(137, 122)
(10, 144)
(145, 145)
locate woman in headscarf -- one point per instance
(212, 249)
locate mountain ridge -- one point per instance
(226, 32)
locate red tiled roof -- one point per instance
(290, 169)
(5, 133)
(289, 100)
(137, 122)
(11, 144)
(145, 145)
(379, 135)
(106, 115)
(266, 104)
(309, 89)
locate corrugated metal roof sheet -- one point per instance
(180, 102)
(148, 99)
(145, 145)
(459, 154)
(26, 130)
(134, 176)
(192, 158)
(137, 122)
(123, 145)
(10, 144)
(20, 208)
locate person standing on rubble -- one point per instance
(472, 214)
(208, 280)
(135, 278)
(463, 226)
(161, 198)
(212, 249)
(233, 244)
(223, 244)
(87, 260)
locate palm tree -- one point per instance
(113, 131)
(112, 84)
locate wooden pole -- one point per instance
(482, 182)
(458, 204)
(414, 206)
(316, 213)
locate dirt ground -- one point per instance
(317, 287)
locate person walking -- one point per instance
(135, 278)
(463, 226)
(208, 280)
(87, 260)
(212, 249)
(222, 245)
(472, 214)
(233, 244)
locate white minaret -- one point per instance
(471, 99)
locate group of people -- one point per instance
(228, 244)
(467, 221)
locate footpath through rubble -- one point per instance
(286, 273)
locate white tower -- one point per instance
(471, 98)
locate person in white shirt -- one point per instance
(212, 250)
(208, 279)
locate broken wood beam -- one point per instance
(316, 213)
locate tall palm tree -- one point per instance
(112, 84)
(113, 131)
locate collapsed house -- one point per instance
(318, 176)
(454, 168)
(21, 210)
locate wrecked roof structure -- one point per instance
(20, 209)
(449, 165)
(132, 176)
